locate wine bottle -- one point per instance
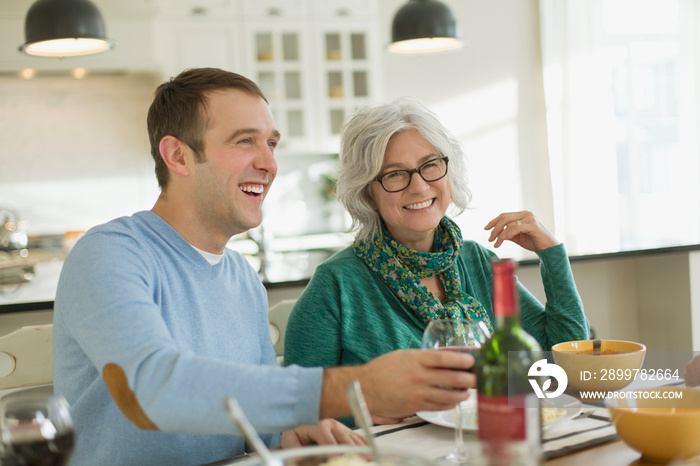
(508, 408)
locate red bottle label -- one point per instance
(512, 418)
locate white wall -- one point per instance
(649, 298)
(75, 152)
(608, 291)
(490, 95)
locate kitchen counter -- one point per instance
(624, 253)
(284, 269)
(28, 278)
(29, 281)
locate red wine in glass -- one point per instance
(461, 336)
(55, 451)
(37, 432)
(464, 350)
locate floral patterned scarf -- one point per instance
(402, 268)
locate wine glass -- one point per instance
(464, 336)
(36, 429)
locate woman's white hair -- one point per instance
(363, 142)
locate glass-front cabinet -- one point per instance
(280, 64)
(346, 73)
(348, 60)
(316, 64)
(315, 60)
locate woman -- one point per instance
(400, 170)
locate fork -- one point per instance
(584, 414)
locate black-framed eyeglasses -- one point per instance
(398, 180)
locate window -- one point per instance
(622, 108)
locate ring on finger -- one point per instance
(518, 222)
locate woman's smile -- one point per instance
(420, 205)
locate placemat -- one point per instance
(592, 427)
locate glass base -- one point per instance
(459, 456)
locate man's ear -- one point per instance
(173, 151)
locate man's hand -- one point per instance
(326, 432)
(400, 383)
(380, 420)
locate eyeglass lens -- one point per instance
(399, 180)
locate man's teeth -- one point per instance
(420, 205)
(256, 189)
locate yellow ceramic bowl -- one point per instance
(599, 365)
(662, 429)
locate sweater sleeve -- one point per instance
(562, 317)
(313, 335)
(106, 316)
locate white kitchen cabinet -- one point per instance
(279, 60)
(198, 33)
(315, 60)
(348, 72)
(198, 42)
(287, 9)
(335, 9)
(348, 62)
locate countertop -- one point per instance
(291, 268)
(29, 278)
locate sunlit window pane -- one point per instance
(631, 70)
(640, 16)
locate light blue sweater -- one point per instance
(186, 333)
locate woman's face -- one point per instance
(411, 215)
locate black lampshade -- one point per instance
(64, 28)
(424, 26)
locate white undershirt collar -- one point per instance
(213, 259)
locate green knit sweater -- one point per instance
(347, 315)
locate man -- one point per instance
(156, 322)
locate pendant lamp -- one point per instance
(64, 28)
(424, 26)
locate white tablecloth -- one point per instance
(418, 437)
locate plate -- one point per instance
(567, 407)
(319, 455)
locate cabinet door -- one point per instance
(278, 60)
(287, 9)
(198, 42)
(338, 9)
(348, 72)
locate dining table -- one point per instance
(584, 436)
(587, 439)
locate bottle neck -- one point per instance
(506, 306)
(505, 302)
(507, 322)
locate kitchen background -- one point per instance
(76, 154)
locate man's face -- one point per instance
(240, 166)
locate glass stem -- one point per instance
(459, 434)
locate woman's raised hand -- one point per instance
(523, 229)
